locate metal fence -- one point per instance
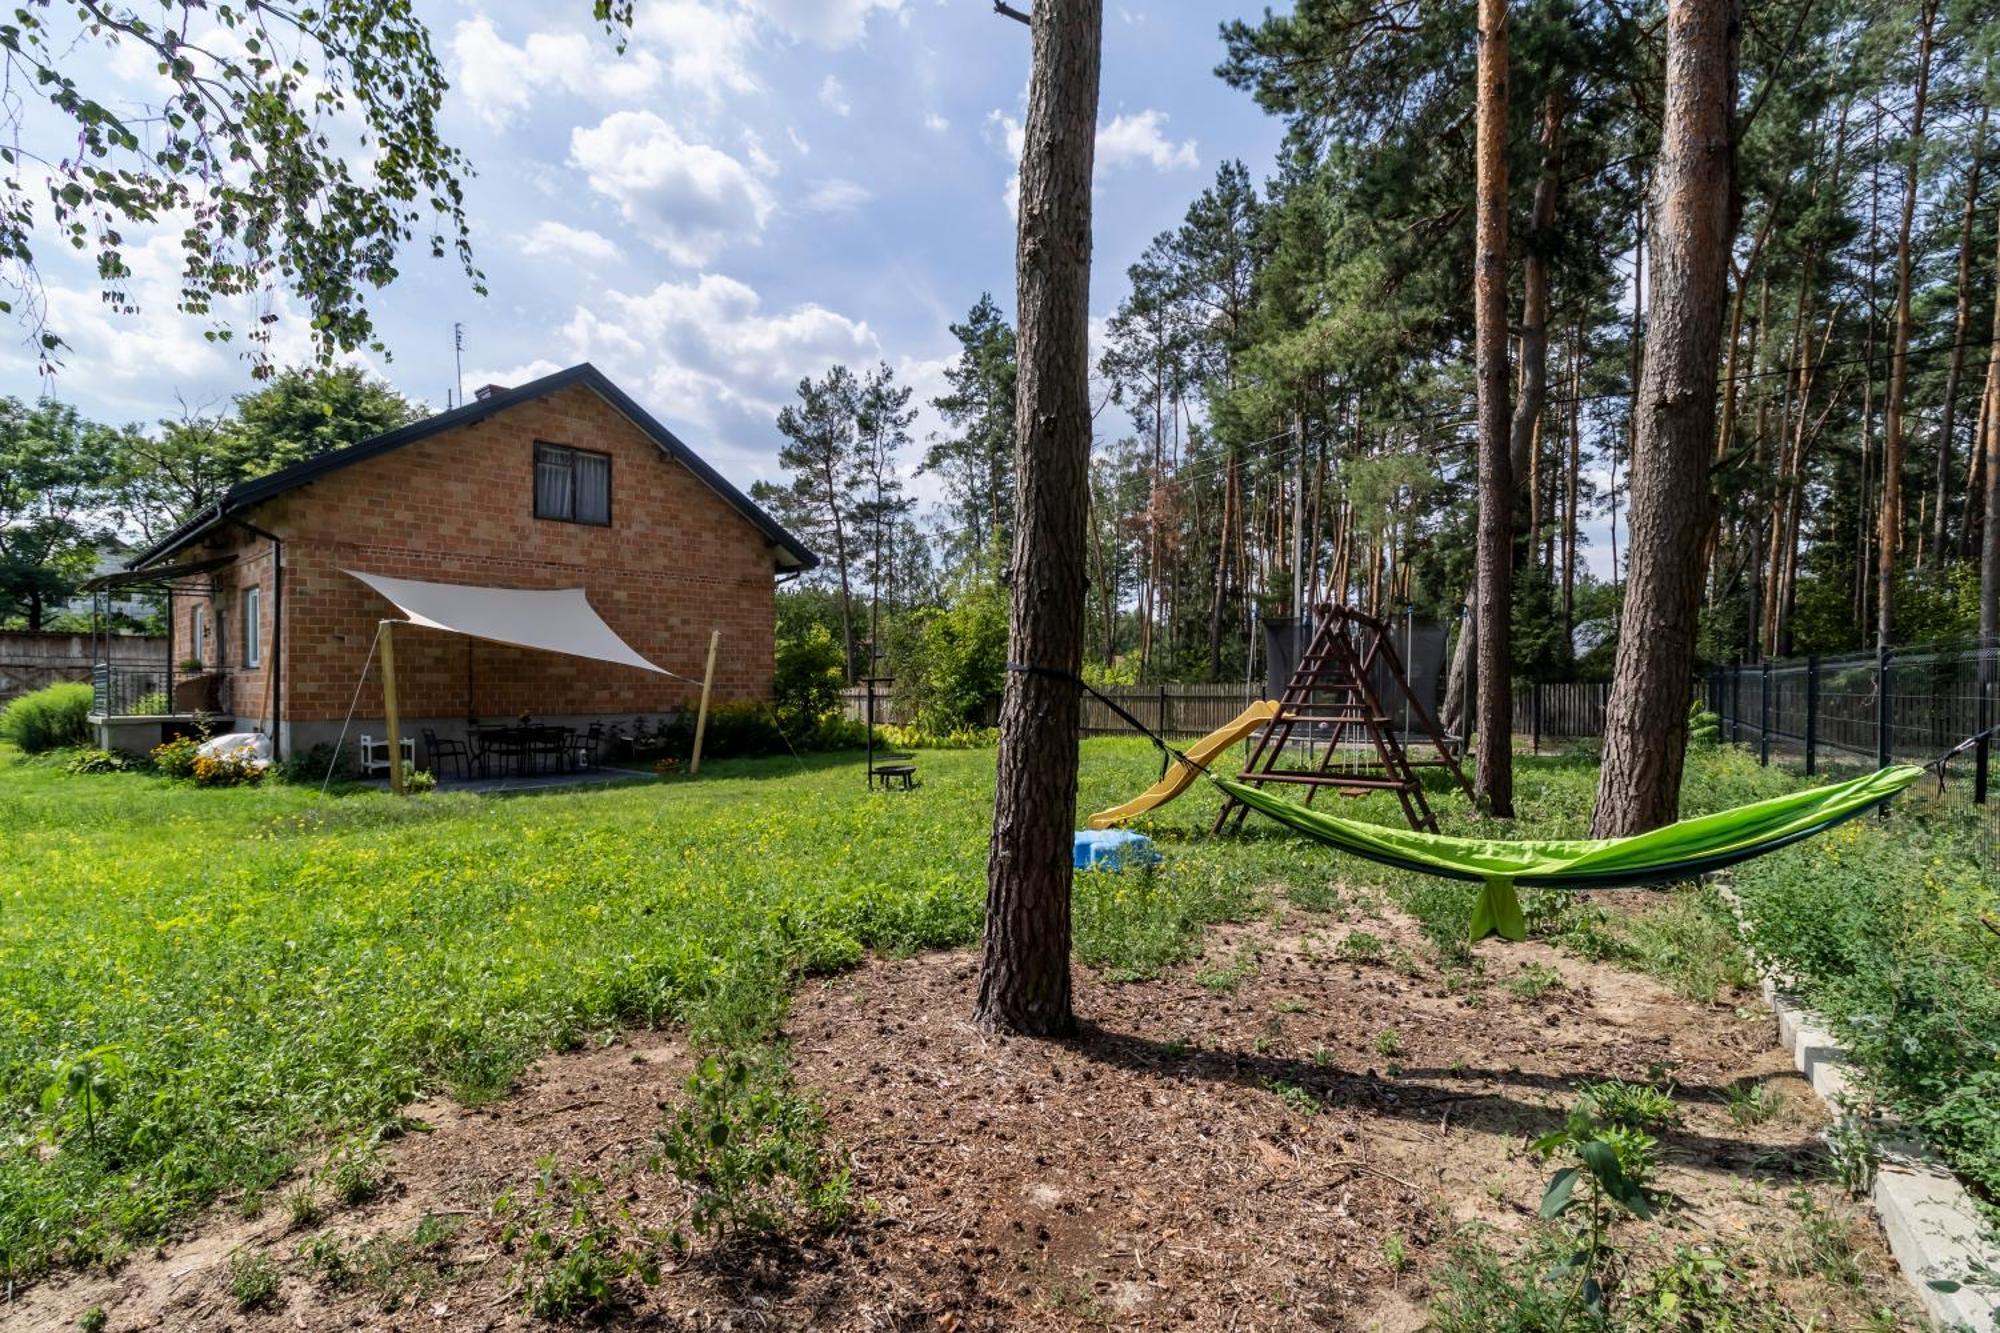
(1865, 709)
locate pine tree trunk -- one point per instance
(1989, 453)
(1571, 478)
(1695, 210)
(1889, 533)
(1495, 770)
(1961, 327)
(1024, 983)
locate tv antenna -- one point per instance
(458, 357)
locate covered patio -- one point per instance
(523, 753)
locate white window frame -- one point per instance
(198, 631)
(253, 626)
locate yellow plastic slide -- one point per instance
(1181, 776)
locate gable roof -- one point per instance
(792, 553)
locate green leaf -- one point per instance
(1562, 1186)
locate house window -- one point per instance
(198, 649)
(253, 627)
(572, 485)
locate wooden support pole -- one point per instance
(389, 707)
(701, 718)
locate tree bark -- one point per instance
(1024, 982)
(1695, 210)
(1961, 325)
(1495, 771)
(1889, 532)
(1989, 453)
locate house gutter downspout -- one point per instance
(277, 667)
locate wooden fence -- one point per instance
(32, 661)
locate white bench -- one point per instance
(375, 754)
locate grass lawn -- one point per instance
(200, 986)
(236, 972)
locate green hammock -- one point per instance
(1665, 855)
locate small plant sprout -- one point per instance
(253, 1280)
(1295, 1098)
(1633, 1105)
(1388, 1043)
(1753, 1104)
(1604, 1175)
(1360, 947)
(1535, 980)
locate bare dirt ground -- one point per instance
(1270, 1137)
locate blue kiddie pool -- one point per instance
(1113, 849)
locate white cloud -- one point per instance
(753, 148)
(935, 123)
(828, 23)
(1140, 139)
(1126, 140)
(707, 353)
(130, 363)
(799, 145)
(833, 96)
(556, 239)
(836, 196)
(706, 49)
(500, 80)
(690, 199)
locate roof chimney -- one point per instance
(486, 391)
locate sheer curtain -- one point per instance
(593, 488)
(552, 483)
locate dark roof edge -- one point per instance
(243, 495)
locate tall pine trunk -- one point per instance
(1024, 983)
(1495, 771)
(1961, 327)
(1989, 454)
(1889, 533)
(1695, 209)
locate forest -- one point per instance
(1285, 391)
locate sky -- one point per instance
(754, 191)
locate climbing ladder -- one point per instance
(1330, 696)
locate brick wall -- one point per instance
(677, 560)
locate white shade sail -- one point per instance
(556, 620)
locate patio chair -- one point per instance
(550, 745)
(441, 751)
(585, 747)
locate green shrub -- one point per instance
(961, 659)
(48, 719)
(917, 738)
(1879, 923)
(90, 759)
(807, 675)
(176, 758)
(309, 767)
(752, 1151)
(225, 770)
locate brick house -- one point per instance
(561, 483)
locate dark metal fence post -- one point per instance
(1735, 703)
(1885, 712)
(1812, 713)
(1764, 715)
(1983, 749)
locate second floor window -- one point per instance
(573, 485)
